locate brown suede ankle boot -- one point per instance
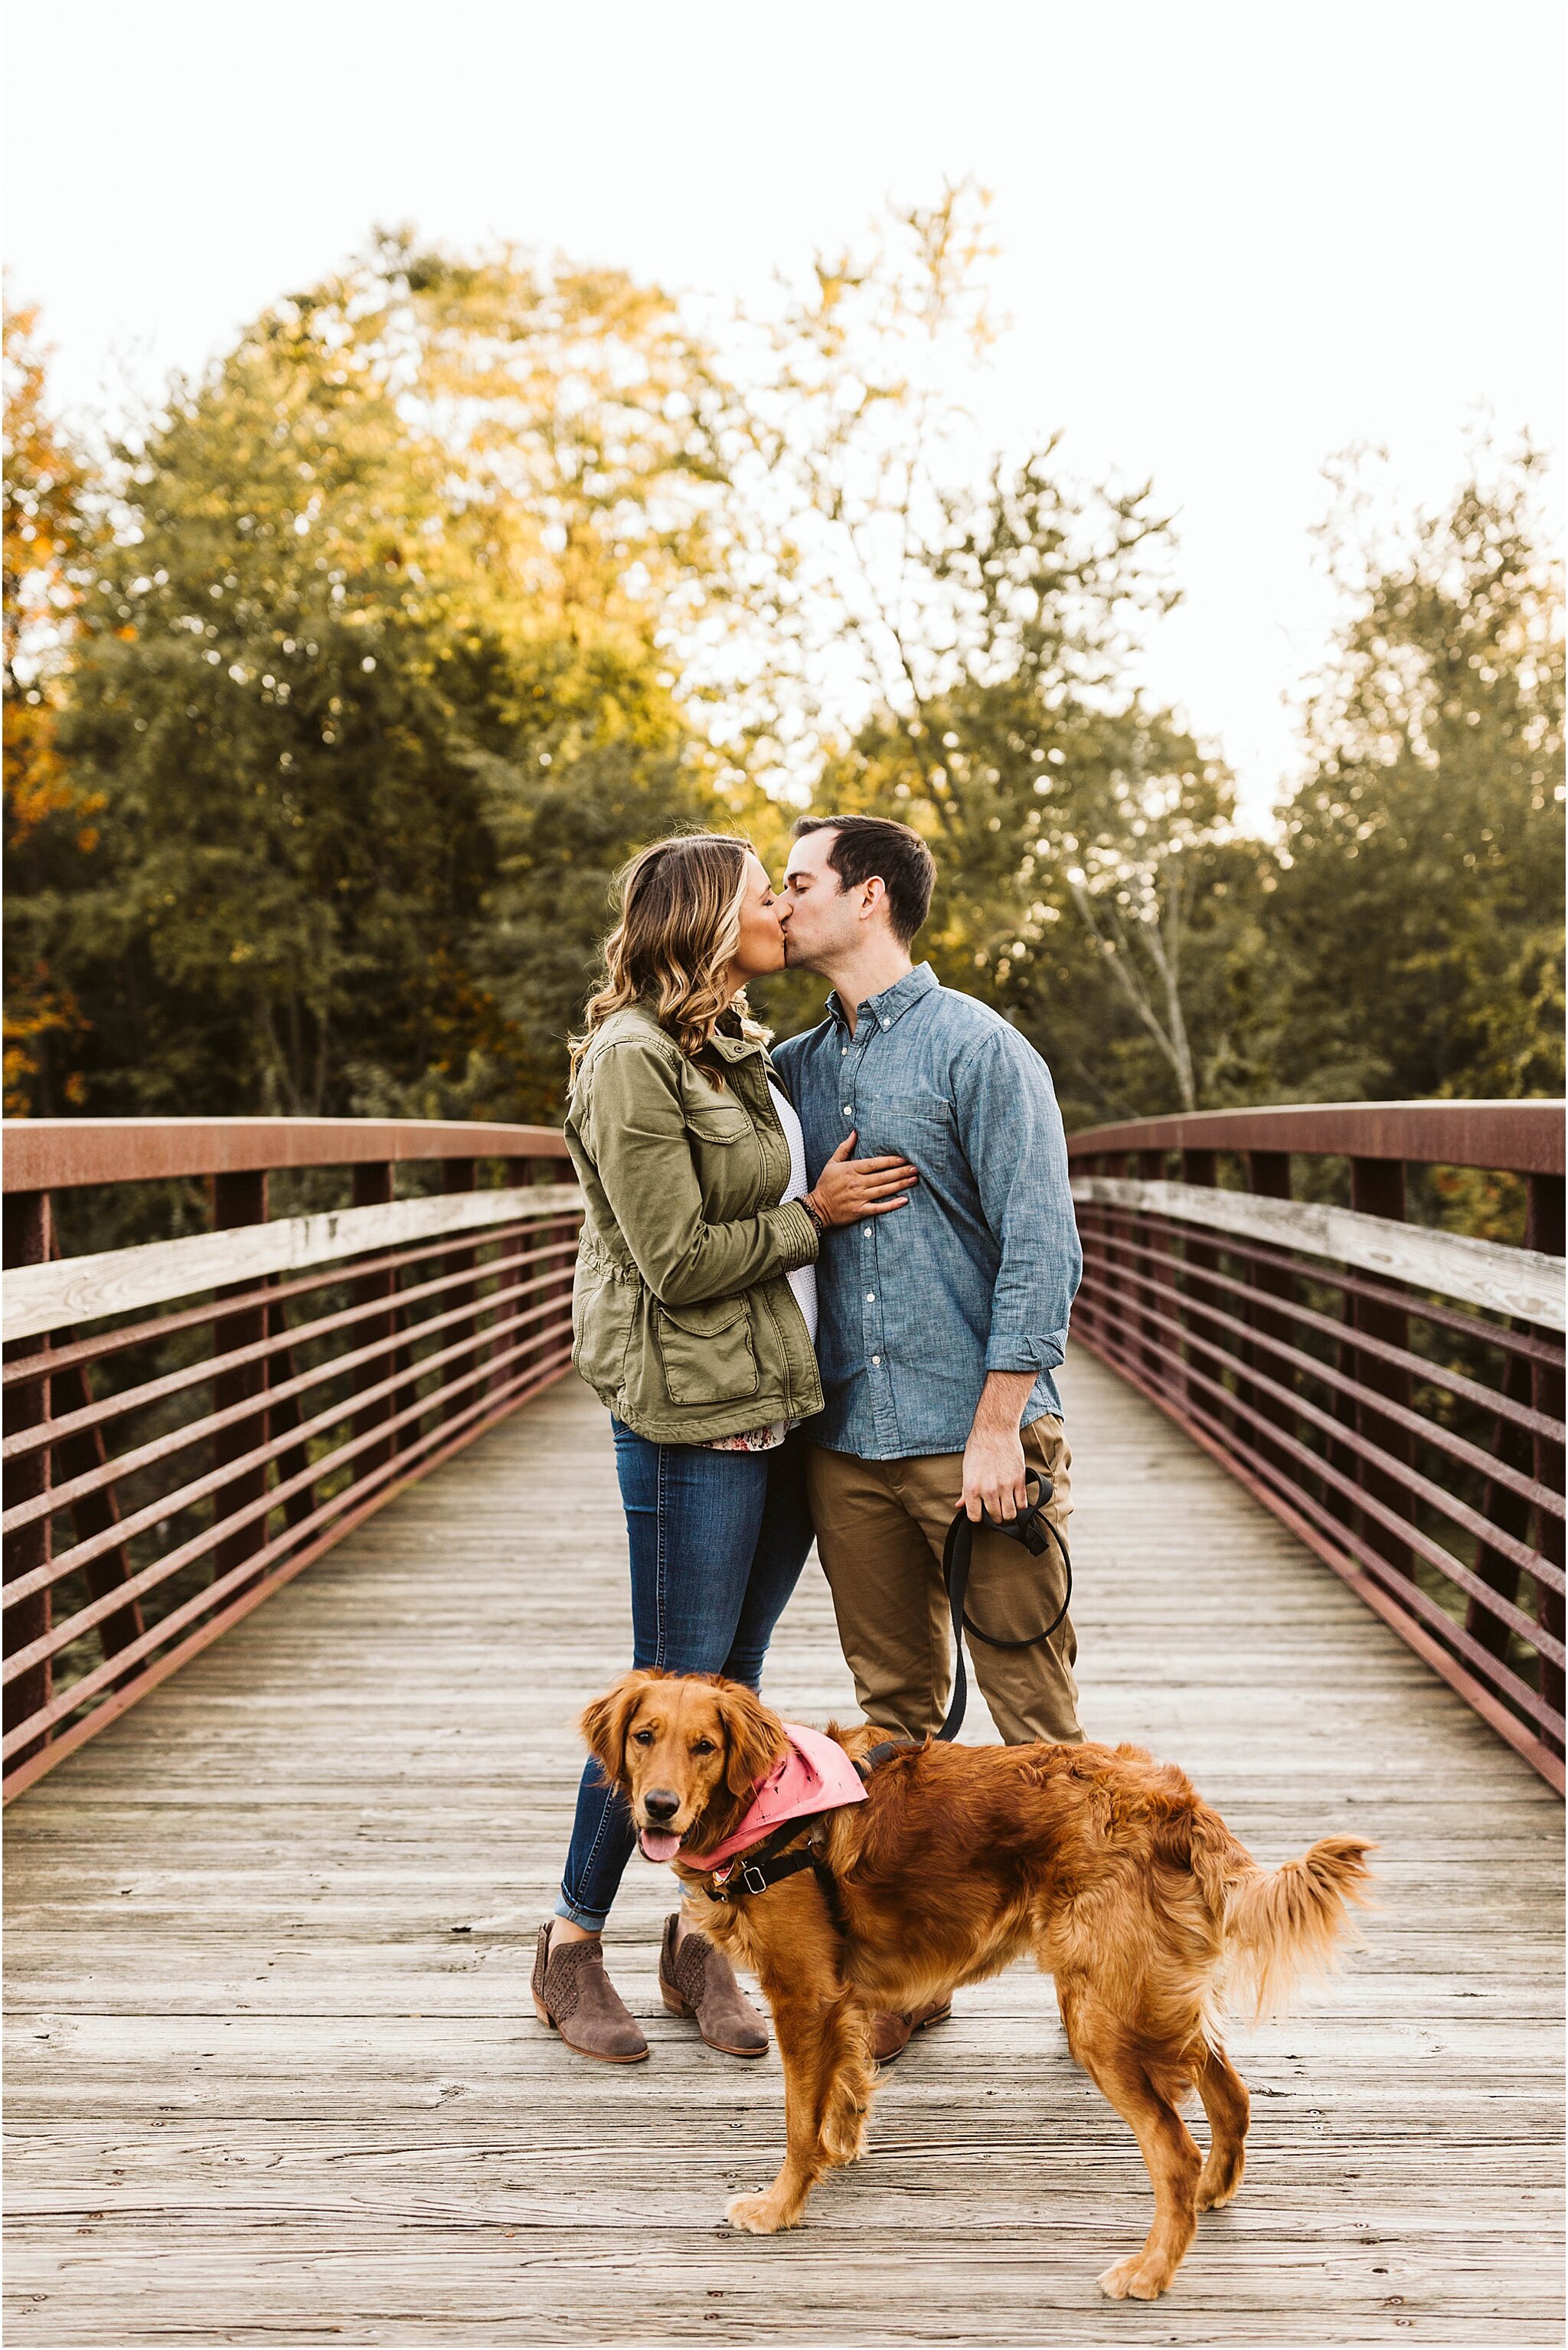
(696, 1979)
(573, 1993)
(890, 2034)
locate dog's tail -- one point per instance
(1282, 1924)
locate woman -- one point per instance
(693, 1317)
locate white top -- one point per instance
(802, 1280)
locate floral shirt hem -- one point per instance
(752, 1439)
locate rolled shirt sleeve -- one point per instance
(1012, 1132)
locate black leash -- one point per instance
(1034, 1530)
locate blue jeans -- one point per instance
(718, 1540)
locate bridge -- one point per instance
(313, 1553)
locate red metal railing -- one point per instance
(164, 1475)
(1391, 1388)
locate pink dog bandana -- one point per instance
(815, 1775)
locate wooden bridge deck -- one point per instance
(274, 2075)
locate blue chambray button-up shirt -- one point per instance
(978, 1271)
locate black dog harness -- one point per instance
(769, 1863)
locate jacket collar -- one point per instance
(885, 1011)
(728, 1042)
(726, 1039)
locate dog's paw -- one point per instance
(1216, 2187)
(1129, 2280)
(759, 2215)
(845, 2135)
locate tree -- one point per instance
(1420, 915)
(50, 821)
(1088, 884)
(402, 556)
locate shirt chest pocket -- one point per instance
(917, 1126)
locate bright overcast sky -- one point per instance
(1236, 236)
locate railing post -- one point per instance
(558, 1287)
(1269, 1178)
(1202, 1256)
(281, 1417)
(93, 1514)
(1544, 1230)
(29, 1226)
(457, 1175)
(1502, 1507)
(373, 1189)
(1106, 1231)
(238, 1200)
(1377, 1189)
(1156, 1353)
(517, 1174)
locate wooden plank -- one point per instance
(260, 2088)
(74, 1289)
(1506, 1281)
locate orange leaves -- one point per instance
(38, 1007)
(43, 538)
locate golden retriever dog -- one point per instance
(1129, 1890)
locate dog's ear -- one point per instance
(604, 1725)
(756, 1739)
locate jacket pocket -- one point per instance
(707, 1352)
(722, 1124)
(602, 1322)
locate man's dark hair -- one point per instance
(872, 848)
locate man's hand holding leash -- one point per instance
(993, 1467)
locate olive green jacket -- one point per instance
(682, 1320)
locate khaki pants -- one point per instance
(880, 1528)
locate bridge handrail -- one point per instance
(59, 1154)
(115, 1281)
(1393, 1391)
(350, 1350)
(1517, 1281)
(1525, 1137)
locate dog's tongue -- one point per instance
(658, 1844)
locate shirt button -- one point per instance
(887, 1023)
(841, 1050)
(866, 1230)
(875, 1359)
(846, 1109)
(870, 1297)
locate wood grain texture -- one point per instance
(274, 2075)
(1506, 1281)
(77, 1289)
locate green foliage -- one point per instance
(330, 653)
(1089, 886)
(1418, 921)
(457, 579)
(49, 541)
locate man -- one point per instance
(941, 1322)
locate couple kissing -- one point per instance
(822, 1291)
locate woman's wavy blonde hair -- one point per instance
(679, 925)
